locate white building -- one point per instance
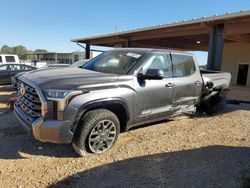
(59, 57)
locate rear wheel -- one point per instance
(214, 105)
(98, 132)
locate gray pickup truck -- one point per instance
(90, 105)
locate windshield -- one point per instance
(115, 62)
(79, 63)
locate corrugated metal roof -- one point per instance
(184, 22)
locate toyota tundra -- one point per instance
(90, 105)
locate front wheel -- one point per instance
(98, 133)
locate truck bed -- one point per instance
(220, 80)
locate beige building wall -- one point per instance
(233, 55)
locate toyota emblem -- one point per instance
(22, 89)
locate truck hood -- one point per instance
(68, 78)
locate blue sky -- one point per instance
(50, 24)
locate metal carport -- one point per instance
(203, 34)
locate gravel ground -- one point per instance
(186, 151)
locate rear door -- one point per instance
(153, 99)
(188, 82)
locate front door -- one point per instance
(153, 98)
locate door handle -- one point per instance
(170, 85)
(197, 83)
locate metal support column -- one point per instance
(87, 51)
(215, 51)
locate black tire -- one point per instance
(213, 106)
(90, 121)
(216, 107)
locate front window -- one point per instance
(160, 62)
(115, 62)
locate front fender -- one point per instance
(99, 103)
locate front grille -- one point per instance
(29, 101)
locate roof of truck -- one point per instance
(145, 50)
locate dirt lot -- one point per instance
(198, 151)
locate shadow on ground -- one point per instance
(6, 92)
(17, 144)
(227, 108)
(213, 166)
(6, 88)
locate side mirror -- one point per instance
(152, 74)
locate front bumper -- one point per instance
(54, 131)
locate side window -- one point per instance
(3, 68)
(10, 59)
(23, 67)
(27, 67)
(15, 67)
(1, 59)
(161, 62)
(183, 65)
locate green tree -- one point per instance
(6, 49)
(40, 51)
(20, 50)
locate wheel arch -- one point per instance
(116, 105)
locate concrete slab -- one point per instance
(239, 93)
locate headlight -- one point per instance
(57, 94)
(52, 94)
(61, 98)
